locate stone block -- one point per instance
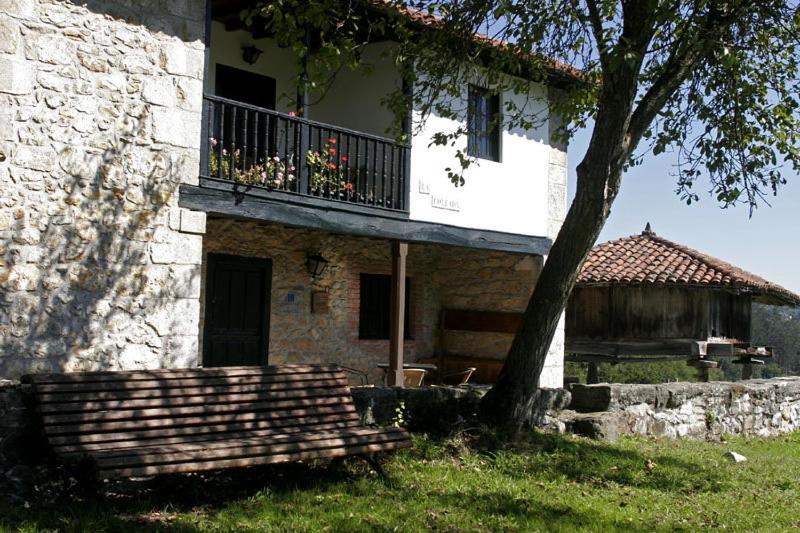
(558, 156)
(137, 357)
(181, 249)
(590, 398)
(159, 91)
(173, 58)
(190, 94)
(54, 49)
(16, 76)
(17, 8)
(181, 351)
(21, 278)
(9, 35)
(35, 158)
(193, 221)
(174, 317)
(184, 281)
(176, 127)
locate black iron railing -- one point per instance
(281, 152)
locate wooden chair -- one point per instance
(142, 423)
(413, 377)
(457, 377)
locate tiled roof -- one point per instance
(427, 19)
(648, 259)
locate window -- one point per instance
(483, 124)
(374, 311)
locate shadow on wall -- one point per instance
(89, 277)
(86, 296)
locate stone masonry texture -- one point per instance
(440, 277)
(99, 124)
(761, 407)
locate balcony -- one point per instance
(288, 158)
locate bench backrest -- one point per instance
(87, 411)
(480, 321)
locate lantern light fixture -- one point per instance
(316, 265)
(250, 54)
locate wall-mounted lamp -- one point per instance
(316, 265)
(250, 54)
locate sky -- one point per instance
(768, 244)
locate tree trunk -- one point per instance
(510, 402)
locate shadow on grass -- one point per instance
(552, 456)
(154, 504)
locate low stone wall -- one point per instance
(695, 410)
(443, 409)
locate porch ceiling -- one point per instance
(231, 200)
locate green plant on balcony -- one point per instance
(272, 172)
(327, 172)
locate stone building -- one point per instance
(158, 206)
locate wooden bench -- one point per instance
(143, 423)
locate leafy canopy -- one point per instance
(715, 80)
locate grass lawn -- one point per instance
(549, 483)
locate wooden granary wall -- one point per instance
(630, 313)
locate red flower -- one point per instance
(349, 186)
(344, 158)
(332, 140)
(332, 166)
(332, 151)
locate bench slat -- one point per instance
(139, 433)
(174, 392)
(63, 388)
(176, 374)
(227, 398)
(177, 413)
(198, 420)
(200, 466)
(191, 451)
(88, 447)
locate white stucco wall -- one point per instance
(276, 62)
(509, 195)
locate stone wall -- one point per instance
(99, 124)
(695, 410)
(440, 276)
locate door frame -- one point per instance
(213, 260)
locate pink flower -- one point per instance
(349, 186)
(237, 152)
(213, 141)
(263, 176)
(344, 158)
(224, 151)
(276, 159)
(332, 151)
(332, 140)
(292, 114)
(332, 166)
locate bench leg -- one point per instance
(376, 465)
(85, 473)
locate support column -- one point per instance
(397, 314)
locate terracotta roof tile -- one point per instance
(426, 19)
(647, 259)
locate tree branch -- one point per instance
(597, 30)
